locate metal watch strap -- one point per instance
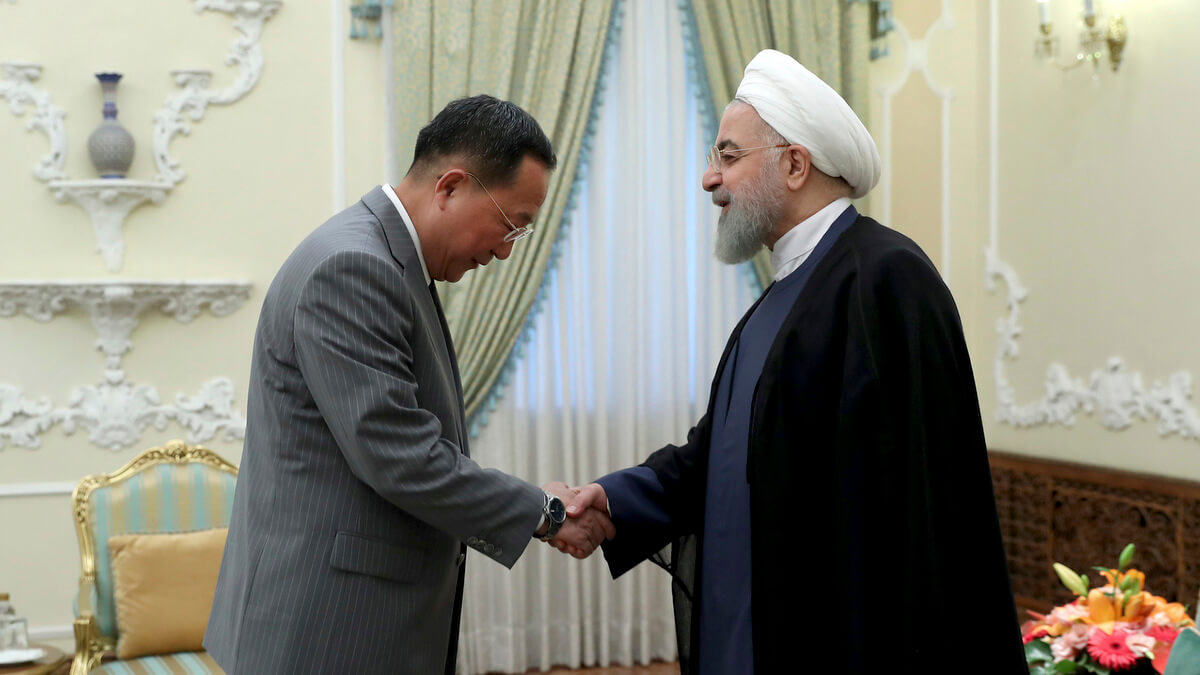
(552, 525)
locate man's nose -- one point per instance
(711, 180)
(503, 250)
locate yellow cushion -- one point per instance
(163, 588)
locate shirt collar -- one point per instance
(794, 247)
(412, 231)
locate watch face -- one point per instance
(557, 512)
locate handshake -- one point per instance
(587, 524)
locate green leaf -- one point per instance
(1084, 579)
(1036, 651)
(1101, 568)
(1065, 667)
(1126, 557)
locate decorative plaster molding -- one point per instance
(916, 57)
(109, 202)
(116, 411)
(1115, 394)
(196, 96)
(16, 85)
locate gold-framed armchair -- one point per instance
(175, 488)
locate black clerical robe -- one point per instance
(875, 544)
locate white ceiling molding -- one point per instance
(110, 205)
(916, 56)
(1117, 396)
(116, 411)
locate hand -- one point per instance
(586, 528)
(591, 495)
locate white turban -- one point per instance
(808, 112)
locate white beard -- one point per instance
(752, 216)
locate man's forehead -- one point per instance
(739, 123)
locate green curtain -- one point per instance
(830, 37)
(546, 56)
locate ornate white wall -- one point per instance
(162, 344)
(1067, 199)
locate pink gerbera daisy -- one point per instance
(1165, 634)
(1111, 651)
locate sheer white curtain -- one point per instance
(619, 364)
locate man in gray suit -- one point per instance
(357, 496)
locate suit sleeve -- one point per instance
(351, 329)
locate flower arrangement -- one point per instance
(1117, 627)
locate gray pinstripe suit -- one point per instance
(356, 487)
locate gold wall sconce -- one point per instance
(1092, 39)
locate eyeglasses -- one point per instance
(517, 233)
(717, 158)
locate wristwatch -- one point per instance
(554, 514)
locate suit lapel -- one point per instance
(425, 298)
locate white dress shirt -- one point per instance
(412, 231)
(793, 248)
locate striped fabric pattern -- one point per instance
(162, 498)
(183, 663)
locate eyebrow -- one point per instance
(524, 217)
(727, 144)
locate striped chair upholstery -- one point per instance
(175, 488)
(183, 663)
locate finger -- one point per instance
(600, 526)
(610, 530)
(590, 495)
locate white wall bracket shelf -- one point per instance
(109, 201)
(115, 411)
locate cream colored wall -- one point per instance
(1092, 202)
(261, 174)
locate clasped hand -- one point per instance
(587, 525)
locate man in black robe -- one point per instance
(833, 510)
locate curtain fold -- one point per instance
(544, 56)
(618, 363)
(830, 37)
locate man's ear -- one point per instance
(447, 185)
(799, 166)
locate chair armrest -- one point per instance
(87, 654)
(88, 648)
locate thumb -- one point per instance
(590, 495)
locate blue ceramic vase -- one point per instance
(110, 146)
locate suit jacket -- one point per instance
(356, 486)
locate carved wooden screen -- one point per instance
(1083, 516)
